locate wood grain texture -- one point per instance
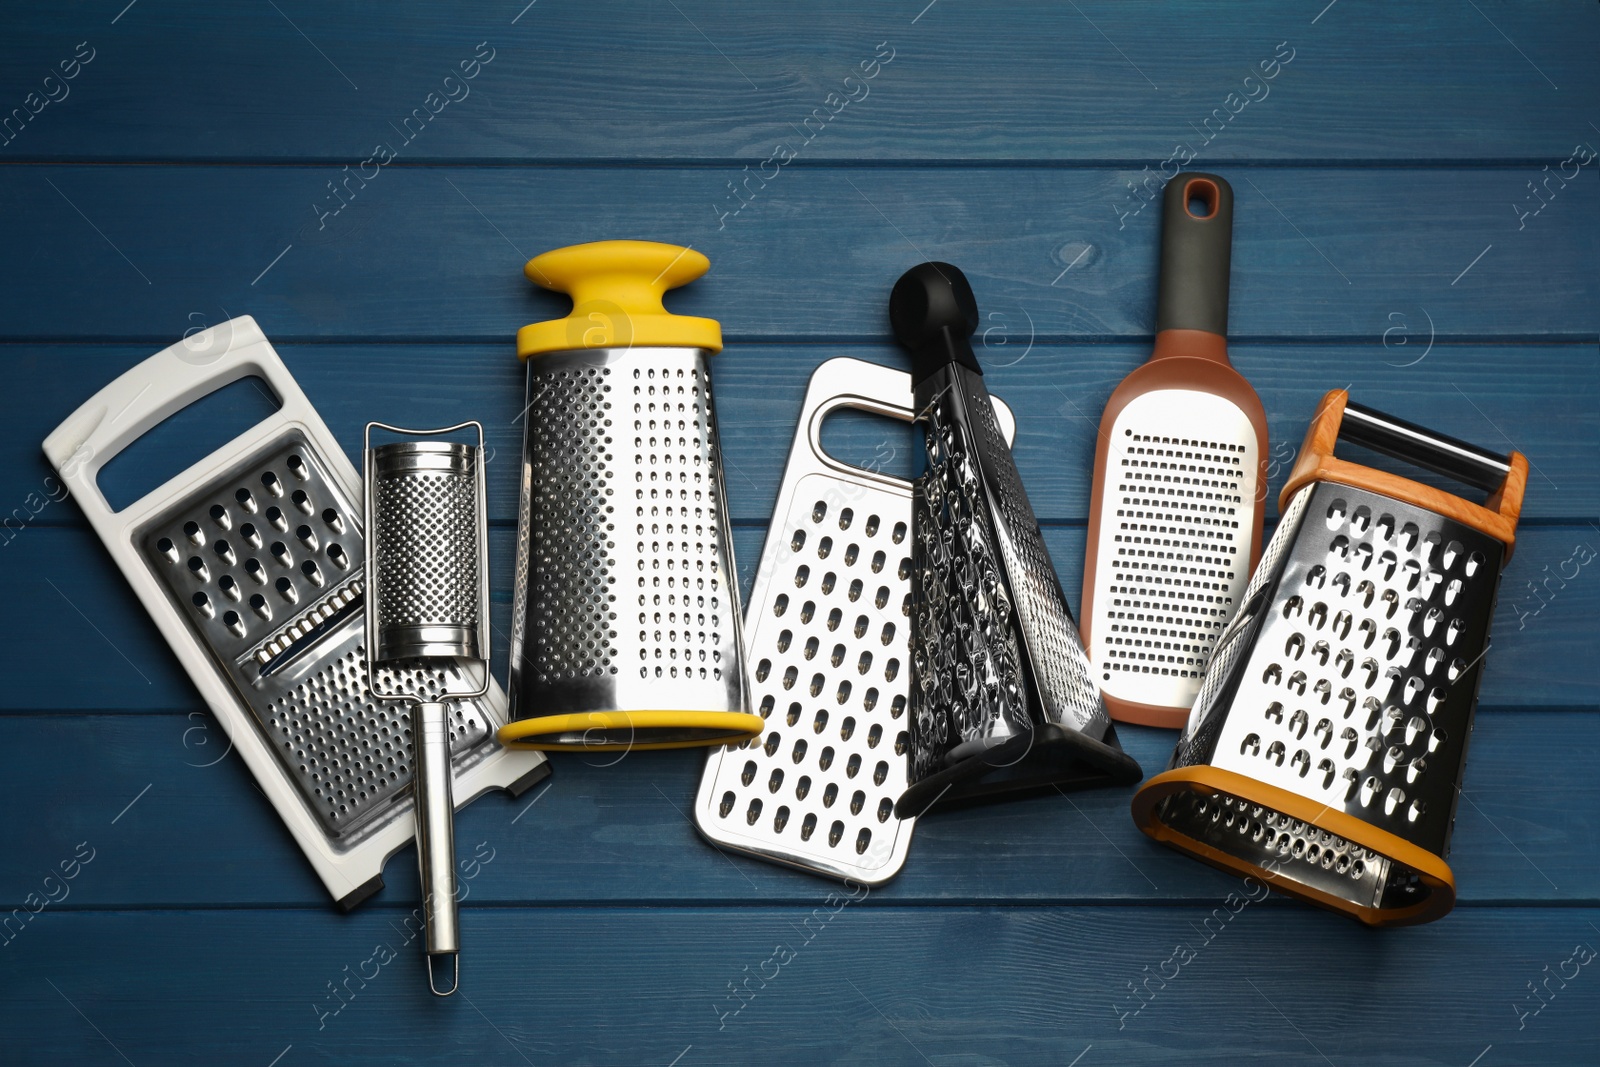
(78, 606)
(619, 831)
(724, 80)
(437, 252)
(870, 986)
(1057, 392)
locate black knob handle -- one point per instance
(934, 314)
(1196, 254)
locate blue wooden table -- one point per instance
(1418, 218)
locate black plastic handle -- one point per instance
(1415, 444)
(934, 314)
(1196, 254)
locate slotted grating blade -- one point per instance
(1176, 521)
(828, 630)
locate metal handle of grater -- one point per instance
(436, 849)
(1426, 448)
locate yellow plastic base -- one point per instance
(603, 731)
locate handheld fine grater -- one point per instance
(250, 563)
(625, 621)
(1179, 490)
(827, 634)
(1325, 751)
(1003, 700)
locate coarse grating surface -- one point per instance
(1176, 517)
(265, 564)
(1351, 675)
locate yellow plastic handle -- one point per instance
(616, 289)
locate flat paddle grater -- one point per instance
(250, 562)
(827, 647)
(1180, 491)
(1002, 698)
(1326, 749)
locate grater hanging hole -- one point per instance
(220, 516)
(808, 825)
(275, 517)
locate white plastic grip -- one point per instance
(159, 387)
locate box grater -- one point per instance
(1326, 749)
(250, 562)
(1179, 494)
(1002, 700)
(828, 654)
(625, 626)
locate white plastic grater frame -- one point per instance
(810, 477)
(131, 406)
(1165, 668)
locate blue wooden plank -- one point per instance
(845, 984)
(1541, 399)
(436, 253)
(618, 831)
(724, 80)
(81, 608)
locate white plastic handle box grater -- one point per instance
(250, 564)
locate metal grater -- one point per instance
(251, 564)
(625, 626)
(1003, 700)
(1179, 496)
(1326, 748)
(827, 631)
